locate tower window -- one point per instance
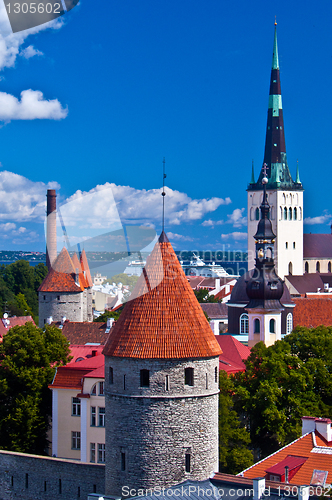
(244, 324)
(285, 213)
(306, 267)
(188, 457)
(289, 323)
(286, 245)
(216, 374)
(290, 268)
(124, 382)
(329, 267)
(257, 326)
(317, 267)
(300, 213)
(294, 244)
(280, 213)
(272, 325)
(290, 214)
(167, 383)
(111, 379)
(189, 376)
(206, 381)
(144, 378)
(295, 213)
(123, 461)
(257, 213)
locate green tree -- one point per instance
(18, 306)
(282, 383)
(202, 295)
(234, 439)
(28, 359)
(124, 279)
(109, 314)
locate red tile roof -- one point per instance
(13, 321)
(62, 275)
(312, 312)
(81, 333)
(84, 352)
(164, 320)
(215, 310)
(69, 378)
(306, 447)
(290, 461)
(233, 354)
(317, 246)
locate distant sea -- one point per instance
(31, 262)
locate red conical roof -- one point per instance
(86, 269)
(164, 320)
(61, 276)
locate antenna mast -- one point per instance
(163, 195)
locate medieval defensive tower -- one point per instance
(161, 383)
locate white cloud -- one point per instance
(30, 51)
(31, 106)
(22, 199)
(142, 206)
(7, 226)
(175, 236)
(236, 218)
(10, 43)
(325, 218)
(212, 223)
(236, 236)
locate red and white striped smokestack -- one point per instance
(51, 251)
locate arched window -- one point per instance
(295, 213)
(300, 213)
(283, 198)
(244, 324)
(329, 267)
(290, 268)
(252, 213)
(257, 326)
(289, 323)
(290, 214)
(272, 325)
(317, 266)
(285, 213)
(280, 213)
(257, 213)
(269, 253)
(306, 267)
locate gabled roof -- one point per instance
(291, 461)
(317, 246)
(215, 310)
(81, 333)
(84, 352)
(233, 354)
(308, 282)
(312, 312)
(311, 446)
(165, 320)
(69, 378)
(7, 324)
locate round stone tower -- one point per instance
(161, 384)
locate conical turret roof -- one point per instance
(62, 276)
(164, 320)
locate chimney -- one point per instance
(323, 426)
(49, 320)
(110, 322)
(51, 250)
(308, 425)
(259, 486)
(286, 473)
(93, 353)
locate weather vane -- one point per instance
(163, 195)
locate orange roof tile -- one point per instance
(69, 378)
(86, 269)
(302, 447)
(61, 277)
(81, 333)
(312, 312)
(164, 320)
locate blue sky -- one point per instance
(116, 85)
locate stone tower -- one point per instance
(284, 195)
(51, 250)
(161, 383)
(264, 288)
(66, 290)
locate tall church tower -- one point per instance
(285, 196)
(161, 384)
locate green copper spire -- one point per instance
(275, 57)
(297, 180)
(252, 174)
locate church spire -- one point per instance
(275, 157)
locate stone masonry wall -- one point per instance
(68, 304)
(31, 477)
(150, 430)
